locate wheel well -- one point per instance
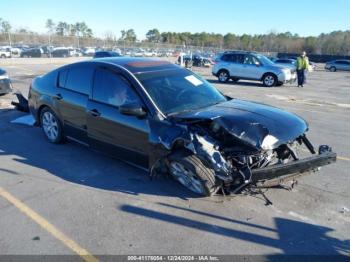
(223, 69)
(269, 73)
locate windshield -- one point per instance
(264, 60)
(179, 90)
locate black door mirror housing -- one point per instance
(133, 109)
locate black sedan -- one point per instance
(168, 120)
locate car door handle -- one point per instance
(58, 96)
(94, 112)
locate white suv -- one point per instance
(238, 65)
(5, 53)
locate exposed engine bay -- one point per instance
(244, 151)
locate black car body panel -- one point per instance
(235, 138)
(256, 121)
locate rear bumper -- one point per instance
(285, 171)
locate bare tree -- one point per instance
(6, 29)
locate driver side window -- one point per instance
(112, 89)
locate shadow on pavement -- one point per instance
(77, 164)
(292, 237)
(239, 83)
(250, 84)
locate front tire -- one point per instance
(333, 69)
(189, 171)
(269, 80)
(223, 76)
(51, 126)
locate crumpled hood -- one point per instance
(253, 122)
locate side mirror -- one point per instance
(132, 110)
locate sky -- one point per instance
(304, 17)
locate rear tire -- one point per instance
(51, 126)
(223, 76)
(269, 80)
(189, 171)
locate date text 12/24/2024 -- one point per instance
(173, 258)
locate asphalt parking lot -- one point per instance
(67, 199)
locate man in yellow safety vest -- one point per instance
(302, 65)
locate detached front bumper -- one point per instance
(5, 85)
(282, 172)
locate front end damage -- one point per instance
(242, 155)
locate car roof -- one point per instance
(138, 65)
(239, 52)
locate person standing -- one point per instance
(302, 65)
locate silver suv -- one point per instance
(238, 65)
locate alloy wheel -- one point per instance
(186, 177)
(223, 76)
(269, 80)
(50, 126)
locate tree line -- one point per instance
(334, 43)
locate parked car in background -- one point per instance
(195, 60)
(100, 54)
(238, 65)
(47, 50)
(16, 52)
(293, 62)
(32, 52)
(62, 52)
(5, 52)
(285, 61)
(168, 120)
(89, 51)
(5, 83)
(138, 52)
(338, 65)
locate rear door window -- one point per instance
(79, 79)
(226, 58)
(238, 58)
(112, 89)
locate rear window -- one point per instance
(79, 79)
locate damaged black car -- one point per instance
(168, 120)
